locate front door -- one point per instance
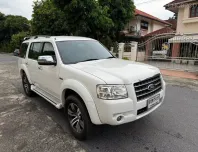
(49, 74)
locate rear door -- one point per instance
(22, 53)
(32, 61)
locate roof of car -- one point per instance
(56, 38)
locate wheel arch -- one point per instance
(70, 87)
(23, 70)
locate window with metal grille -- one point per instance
(194, 11)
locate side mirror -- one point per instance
(46, 60)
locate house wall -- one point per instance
(153, 25)
(135, 22)
(186, 25)
(157, 26)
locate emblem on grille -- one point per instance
(151, 87)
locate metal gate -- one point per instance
(158, 52)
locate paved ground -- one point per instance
(32, 124)
(174, 66)
(180, 74)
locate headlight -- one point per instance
(111, 92)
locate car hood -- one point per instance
(117, 71)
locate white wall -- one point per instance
(153, 25)
(186, 25)
(157, 25)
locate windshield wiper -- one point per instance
(110, 57)
(89, 60)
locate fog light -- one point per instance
(119, 118)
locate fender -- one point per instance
(82, 91)
(24, 68)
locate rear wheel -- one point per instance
(26, 85)
(78, 118)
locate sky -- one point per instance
(24, 7)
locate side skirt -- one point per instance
(47, 97)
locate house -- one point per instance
(185, 42)
(143, 24)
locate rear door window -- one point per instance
(35, 50)
(23, 50)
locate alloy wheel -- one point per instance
(25, 84)
(75, 118)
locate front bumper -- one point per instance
(128, 110)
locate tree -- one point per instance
(17, 39)
(15, 24)
(2, 29)
(98, 19)
(48, 19)
(10, 25)
(86, 18)
(121, 12)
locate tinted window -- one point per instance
(23, 50)
(35, 50)
(144, 25)
(80, 51)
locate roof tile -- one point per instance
(141, 13)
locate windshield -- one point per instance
(72, 52)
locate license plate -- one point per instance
(153, 101)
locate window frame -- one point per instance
(25, 53)
(41, 48)
(61, 57)
(44, 45)
(53, 48)
(195, 14)
(143, 27)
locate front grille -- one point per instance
(148, 87)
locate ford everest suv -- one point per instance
(83, 77)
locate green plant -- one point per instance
(4, 47)
(125, 58)
(16, 40)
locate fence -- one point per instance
(158, 52)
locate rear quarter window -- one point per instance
(23, 50)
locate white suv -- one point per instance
(83, 77)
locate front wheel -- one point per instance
(78, 118)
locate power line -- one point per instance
(150, 1)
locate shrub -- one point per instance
(16, 40)
(125, 58)
(4, 47)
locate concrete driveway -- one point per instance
(32, 124)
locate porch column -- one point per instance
(133, 50)
(175, 49)
(121, 50)
(148, 47)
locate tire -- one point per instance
(77, 114)
(27, 86)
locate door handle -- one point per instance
(26, 63)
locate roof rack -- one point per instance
(36, 36)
